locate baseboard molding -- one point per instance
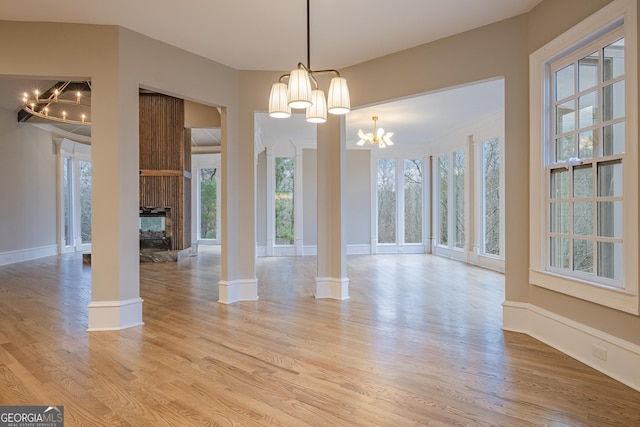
(332, 287)
(357, 249)
(400, 249)
(115, 315)
(490, 263)
(364, 249)
(22, 255)
(621, 358)
(237, 290)
(310, 250)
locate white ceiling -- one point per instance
(271, 35)
(415, 121)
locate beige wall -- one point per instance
(261, 199)
(551, 18)
(27, 186)
(359, 197)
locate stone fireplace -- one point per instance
(165, 179)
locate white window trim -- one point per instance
(297, 248)
(76, 152)
(437, 246)
(399, 246)
(607, 18)
(450, 250)
(485, 259)
(382, 248)
(198, 162)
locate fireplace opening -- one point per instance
(155, 229)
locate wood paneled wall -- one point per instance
(165, 162)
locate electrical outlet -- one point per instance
(599, 352)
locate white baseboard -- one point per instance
(400, 249)
(237, 290)
(332, 287)
(490, 263)
(364, 249)
(22, 255)
(356, 249)
(115, 315)
(618, 359)
(310, 250)
(284, 251)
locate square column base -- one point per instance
(332, 287)
(115, 315)
(237, 290)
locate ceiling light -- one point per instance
(62, 103)
(299, 92)
(378, 136)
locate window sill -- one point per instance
(617, 299)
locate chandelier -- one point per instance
(299, 94)
(376, 137)
(65, 102)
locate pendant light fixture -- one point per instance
(298, 92)
(378, 136)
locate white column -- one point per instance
(332, 281)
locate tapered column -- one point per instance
(332, 281)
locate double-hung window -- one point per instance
(584, 163)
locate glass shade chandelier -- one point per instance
(64, 102)
(378, 136)
(298, 92)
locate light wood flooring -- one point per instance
(418, 343)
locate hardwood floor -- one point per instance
(418, 343)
